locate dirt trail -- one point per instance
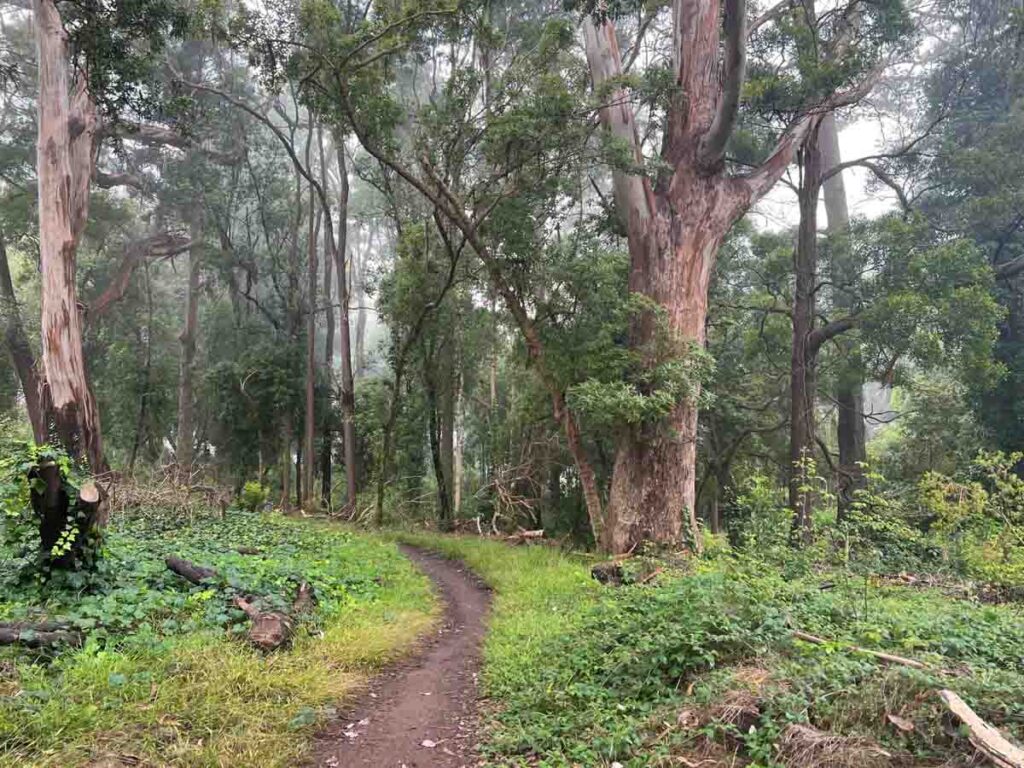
(427, 700)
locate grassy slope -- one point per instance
(175, 685)
(584, 675)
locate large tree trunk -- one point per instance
(804, 352)
(359, 257)
(19, 349)
(286, 462)
(654, 478)
(850, 383)
(674, 229)
(446, 418)
(185, 448)
(348, 392)
(458, 458)
(435, 427)
(66, 124)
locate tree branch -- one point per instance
(110, 180)
(161, 246)
(712, 146)
(819, 336)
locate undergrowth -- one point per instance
(702, 665)
(165, 676)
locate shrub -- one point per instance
(254, 495)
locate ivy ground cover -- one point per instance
(165, 675)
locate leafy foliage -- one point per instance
(164, 671)
(22, 554)
(589, 675)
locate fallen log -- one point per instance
(41, 635)
(986, 738)
(272, 629)
(269, 629)
(196, 574)
(521, 536)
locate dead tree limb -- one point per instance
(986, 738)
(41, 635)
(886, 657)
(196, 574)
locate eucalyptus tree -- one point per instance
(89, 75)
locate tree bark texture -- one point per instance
(66, 125)
(674, 227)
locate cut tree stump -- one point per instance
(610, 573)
(272, 629)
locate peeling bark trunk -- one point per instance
(850, 384)
(803, 364)
(653, 488)
(185, 448)
(674, 230)
(66, 124)
(19, 349)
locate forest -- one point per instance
(459, 383)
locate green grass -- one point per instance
(166, 675)
(579, 674)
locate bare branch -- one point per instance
(110, 180)
(162, 246)
(773, 13)
(712, 146)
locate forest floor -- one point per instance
(422, 711)
(690, 661)
(165, 676)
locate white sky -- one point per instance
(778, 210)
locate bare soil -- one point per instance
(420, 713)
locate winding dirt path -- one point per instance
(420, 713)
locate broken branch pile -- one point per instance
(269, 630)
